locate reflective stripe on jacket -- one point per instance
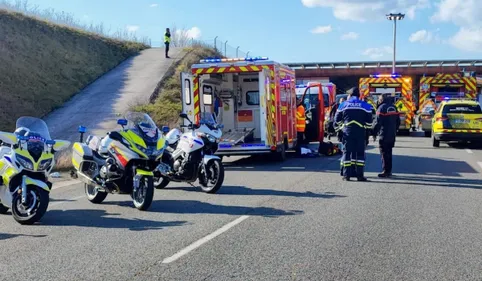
(354, 116)
(300, 119)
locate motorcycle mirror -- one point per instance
(122, 122)
(50, 142)
(183, 115)
(82, 129)
(165, 129)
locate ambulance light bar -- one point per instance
(214, 60)
(394, 75)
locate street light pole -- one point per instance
(395, 17)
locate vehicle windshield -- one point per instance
(312, 95)
(143, 125)
(462, 109)
(33, 127)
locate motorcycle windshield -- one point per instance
(143, 125)
(33, 127)
(207, 118)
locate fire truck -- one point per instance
(316, 102)
(435, 89)
(396, 86)
(258, 103)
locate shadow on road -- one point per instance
(5, 236)
(243, 190)
(102, 219)
(434, 182)
(198, 207)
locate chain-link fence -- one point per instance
(178, 39)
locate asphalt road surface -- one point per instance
(291, 221)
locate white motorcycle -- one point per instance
(190, 156)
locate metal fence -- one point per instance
(218, 43)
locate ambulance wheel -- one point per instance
(435, 143)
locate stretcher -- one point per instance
(235, 137)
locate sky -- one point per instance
(301, 30)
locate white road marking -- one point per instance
(480, 164)
(469, 151)
(65, 183)
(203, 240)
(293, 168)
(67, 200)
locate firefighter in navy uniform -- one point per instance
(354, 117)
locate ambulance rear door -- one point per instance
(187, 96)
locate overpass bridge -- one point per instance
(347, 74)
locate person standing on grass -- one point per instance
(167, 41)
(385, 127)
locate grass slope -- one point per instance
(43, 64)
(166, 105)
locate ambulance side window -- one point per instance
(252, 97)
(207, 95)
(187, 91)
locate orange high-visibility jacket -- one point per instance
(300, 119)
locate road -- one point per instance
(271, 221)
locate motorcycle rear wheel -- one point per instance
(144, 195)
(161, 183)
(212, 179)
(93, 195)
(37, 202)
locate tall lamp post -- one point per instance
(395, 17)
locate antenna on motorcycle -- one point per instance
(82, 130)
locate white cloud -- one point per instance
(468, 39)
(363, 10)
(322, 29)
(153, 5)
(350, 36)
(132, 28)
(376, 53)
(422, 36)
(192, 33)
(466, 15)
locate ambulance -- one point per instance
(258, 103)
(396, 86)
(312, 105)
(434, 90)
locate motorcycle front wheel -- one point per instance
(34, 208)
(212, 178)
(142, 197)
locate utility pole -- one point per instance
(395, 17)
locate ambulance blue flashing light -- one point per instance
(215, 60)
(394, 75)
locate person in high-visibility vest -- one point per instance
(167, 41)
(300, 125)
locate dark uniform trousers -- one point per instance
(386, 149)
(353, 159)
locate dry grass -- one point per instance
(166, 104)
(44, 64)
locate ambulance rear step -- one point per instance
(237, 136)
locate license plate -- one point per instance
(462, 121)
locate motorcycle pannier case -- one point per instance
(81, 152)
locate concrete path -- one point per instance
(132, 82)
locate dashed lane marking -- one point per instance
(293, 168)
(203, 240)
(469, 151)
(480, 164)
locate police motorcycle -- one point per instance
(123, 162)
(190, 155)
(26, 159)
